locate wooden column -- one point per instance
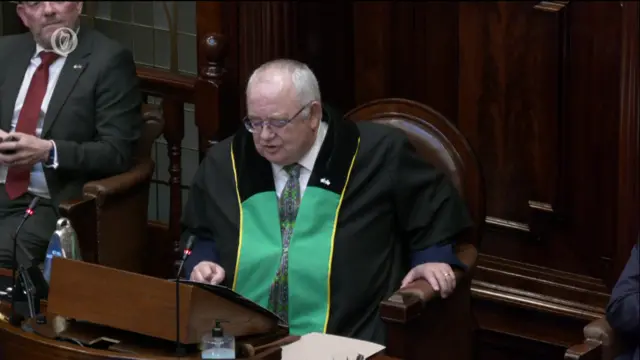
(211, 52)
(629, 138)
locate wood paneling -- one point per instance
(547, 94)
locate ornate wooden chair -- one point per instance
(111, 218)
(420, 324)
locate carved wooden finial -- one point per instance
(214, 48)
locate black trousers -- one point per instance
(35, 232)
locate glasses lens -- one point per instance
(249, 125)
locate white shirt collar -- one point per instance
(309, 159)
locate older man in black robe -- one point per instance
(315, 217)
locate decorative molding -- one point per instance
(541, 206)
(534, 301)
(525, 285)
(551, 6)
(507, 224)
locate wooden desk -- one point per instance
(16, 344)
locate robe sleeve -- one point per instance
(194, 221)
(623, 311)
(430, 211)
(438, 253)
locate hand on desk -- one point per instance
(208, 272)
(439, 275)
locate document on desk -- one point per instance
(317, 346)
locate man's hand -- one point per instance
(208, 272)
(25, 150)
(439, 275)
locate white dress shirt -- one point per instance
(38, 184)
(280, 176)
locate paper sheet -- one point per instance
(317, 346)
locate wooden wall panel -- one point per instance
(510, 78)
(409, 50)
(324, 40)
(313, 32)
(525, 82)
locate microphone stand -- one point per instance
(26, 285)
(180, 350)
(33, 284)
(15, 319)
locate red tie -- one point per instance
(18, 177)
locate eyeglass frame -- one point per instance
(281, 123)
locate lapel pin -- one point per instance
(325, 181)
(77, 67)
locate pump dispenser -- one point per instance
(217, 345)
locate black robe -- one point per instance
(393, 204)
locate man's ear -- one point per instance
(20, 11)
(315, 115)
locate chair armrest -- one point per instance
(599, 343)
(407, 303)
(600, 330)
(120, 184)
(112, 208)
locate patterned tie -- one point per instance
(288, 208)
(18, 177)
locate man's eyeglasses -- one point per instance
(254, 125)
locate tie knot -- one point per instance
(48, 57)
(293, 170)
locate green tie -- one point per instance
(288, 208)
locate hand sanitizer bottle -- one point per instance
(217, 345)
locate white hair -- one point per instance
(304, 81)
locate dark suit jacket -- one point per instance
(623, 312)
(94, 113)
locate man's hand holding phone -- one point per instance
(18, 149)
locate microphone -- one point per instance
(186, 253)
(180, 351)
(15, 319)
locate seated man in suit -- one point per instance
(65, 119)
(623, 312)
(318, 218)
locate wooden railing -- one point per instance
(175, 90)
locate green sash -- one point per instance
(311, 247)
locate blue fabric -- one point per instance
(442, 254)
(623, 311)
(204, 249)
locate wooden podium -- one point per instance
(147, 306)
(139, 313)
